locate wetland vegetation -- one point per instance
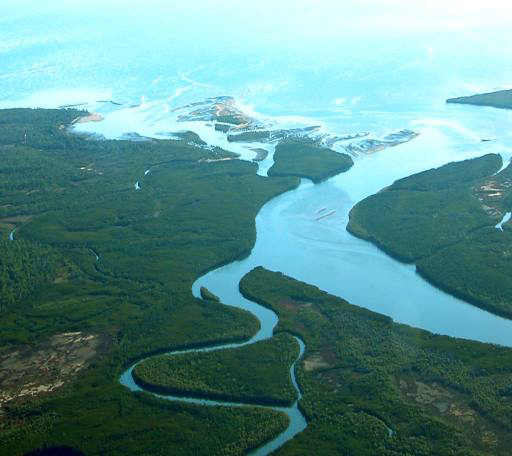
(256, 373)
(304, 157)
(99, 276)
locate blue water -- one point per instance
(506, 218)
(360, 66)
(348, 63)
(268, 320)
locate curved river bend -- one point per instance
(268, 321)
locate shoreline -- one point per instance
(470, 300)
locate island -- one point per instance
(221, 110)
(371, 145)
(304, 157)
(261, 154)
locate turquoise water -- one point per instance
(346, 63)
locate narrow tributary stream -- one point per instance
(268, 320)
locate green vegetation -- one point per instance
(374, 387)
(500, 99)
(257, 374)
(55, 451)
(70, 196)
(138, 424)
(224, 128)
(451, 174)
(24, 268)
(207, 295)
(305, 158)
(265, 136)
(232, 119)
(189, 137)
(444, 221)
(251, 136)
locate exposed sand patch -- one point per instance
(93, 117)
(27, 372)
(315, 362)
(492, 193)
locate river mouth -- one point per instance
(357, 87)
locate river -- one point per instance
(302, 233)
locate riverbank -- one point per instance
(444, 221)
(189, 216)
(362, 371)
(253, 374)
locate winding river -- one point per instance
(268, 321)
(293, 237)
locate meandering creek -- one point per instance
(506, 219)
(268, 321)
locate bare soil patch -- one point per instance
(30, 371)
